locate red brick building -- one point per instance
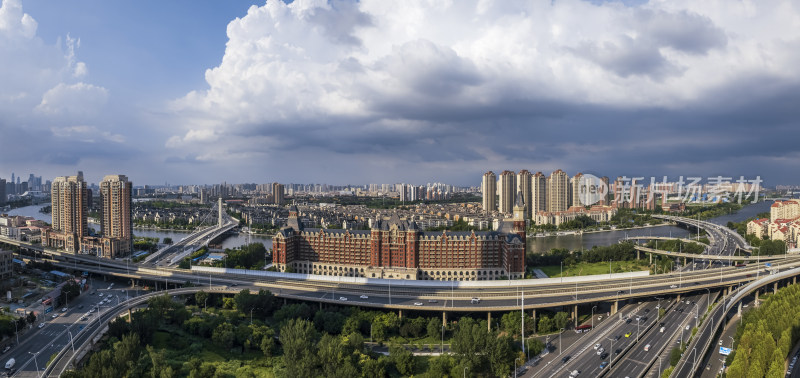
(397, 249)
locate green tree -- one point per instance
(546, 324)
(299, 349)
(200, 298)
(434, 328)
(501, 355)
(560, 320)
(402, 358)
(440, 367)
(371, 368)
(223, 335)
(330, 354)
(534, 345)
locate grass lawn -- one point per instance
(586, 269)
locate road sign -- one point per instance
(725, 351)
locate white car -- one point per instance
(64, 309)
(673, 286)
(600, 351)
(342, 298)
(417, 303)
(364, 296)
(597, 346)
(54, 316)
(91, 310)
(41, 325)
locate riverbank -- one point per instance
(580, 232)
(164, 229)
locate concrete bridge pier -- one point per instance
(739, 310)
(533, 315)
(489, 321)
(575, 315)
(651, 257)
(678, 299)
(614, 307)
(400, 314)
(444, 318)
(684, 261)
(794, 280)
(637, 254)
(775, 288)
(756, 301)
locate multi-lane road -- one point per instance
(55, 330)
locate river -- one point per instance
(535, 245)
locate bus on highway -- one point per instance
(583, 328)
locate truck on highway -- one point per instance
(10, 363)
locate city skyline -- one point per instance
(381, 92)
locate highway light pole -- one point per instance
(36, 354)
(638, 321)
(559, 340)
(442, 351)
(659, 365)
(592, 316)
(630, 285)
(72, 341)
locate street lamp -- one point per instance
(630, 285)
(467, 367)
(442, 352)
(16, 331)
(559, 340)
(515, 367)
(638, 321)
(659, 365)
(36, 354)
(731, 341)
(592, 316)
(611, 351)
(71, 342)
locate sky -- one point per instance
(376, 91)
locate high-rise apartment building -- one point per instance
(558, 191)
(69, 207)
(524, 187)
(538, 194)
(489, 191)
(507, 191)
(2, 192)
(575, 190)
(277, 193)
(115, 224)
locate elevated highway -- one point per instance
(705, 256)
(447, 295)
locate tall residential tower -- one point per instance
(489, 191)
(115, 223)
